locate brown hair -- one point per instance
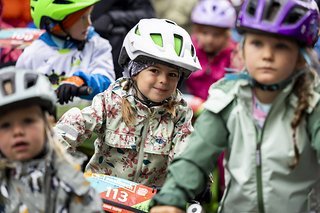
(303, 89)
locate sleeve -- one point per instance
(77, 125)
(188, 173)
(183, 128)
(97, 82)
(101, 61)
(25, 60)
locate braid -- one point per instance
(170, 107)
(126, 109)
(302, 88)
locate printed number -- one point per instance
(122, 197)
(25, 37)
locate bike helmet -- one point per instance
(163, 40)
(297, 19)
(48, 12)
(217, 13)
(24, 87)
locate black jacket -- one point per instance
(112, 19)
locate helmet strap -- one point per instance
(277, 86)
(146, 100)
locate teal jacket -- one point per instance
(258, 175)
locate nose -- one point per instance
(268, 52)
(18, 130)
(87, 21)
(163, 78)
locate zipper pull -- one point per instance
(258, 155)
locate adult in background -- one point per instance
(113, 19)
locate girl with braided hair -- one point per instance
(142, 120)
(265, 118)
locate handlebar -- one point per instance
(84, 90)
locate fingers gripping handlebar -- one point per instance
(66, 92)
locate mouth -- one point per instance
(161, 90)
(21, 145)
(266, 69)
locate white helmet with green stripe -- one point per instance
(163, 40)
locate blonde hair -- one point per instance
(128, 112)
(55, 145)
(303, 89)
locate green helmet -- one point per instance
(46, 12)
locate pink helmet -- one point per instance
(217, 13)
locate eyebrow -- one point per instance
(170, 68)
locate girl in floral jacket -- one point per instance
(141, 121)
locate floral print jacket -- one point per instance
(140, 152)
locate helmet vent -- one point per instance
(178, 41)
(30, 80)
(157, 39)
(192, 50)
(214, 7)
(170, 22)
(62, 2)
(272, 11)
(252, 6)
(295, 15)
(8, 87)
(136, 31)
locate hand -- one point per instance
(68, 89)
(165, 209)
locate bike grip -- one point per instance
(84, 90)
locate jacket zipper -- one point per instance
(259, 178)
(141, 150)
(259, 165)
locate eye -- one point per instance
(153, 70)
(256, 43)
(5, 125)
(28, 120)
(174, 74)
(282, 46)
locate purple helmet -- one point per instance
(298, 19)
(214, 13)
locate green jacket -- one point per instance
(258, 176)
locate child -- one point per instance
(70, 49)
(141, 120)
(35, 175)
(266, 118)
(212, 21)
(8, 55)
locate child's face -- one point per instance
(157, 82)
(79, 30)
(22, 133)
(211, 39)
(270, 59)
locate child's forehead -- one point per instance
(270, 36)
(21, 109)
(163, 66)
(211, 28)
